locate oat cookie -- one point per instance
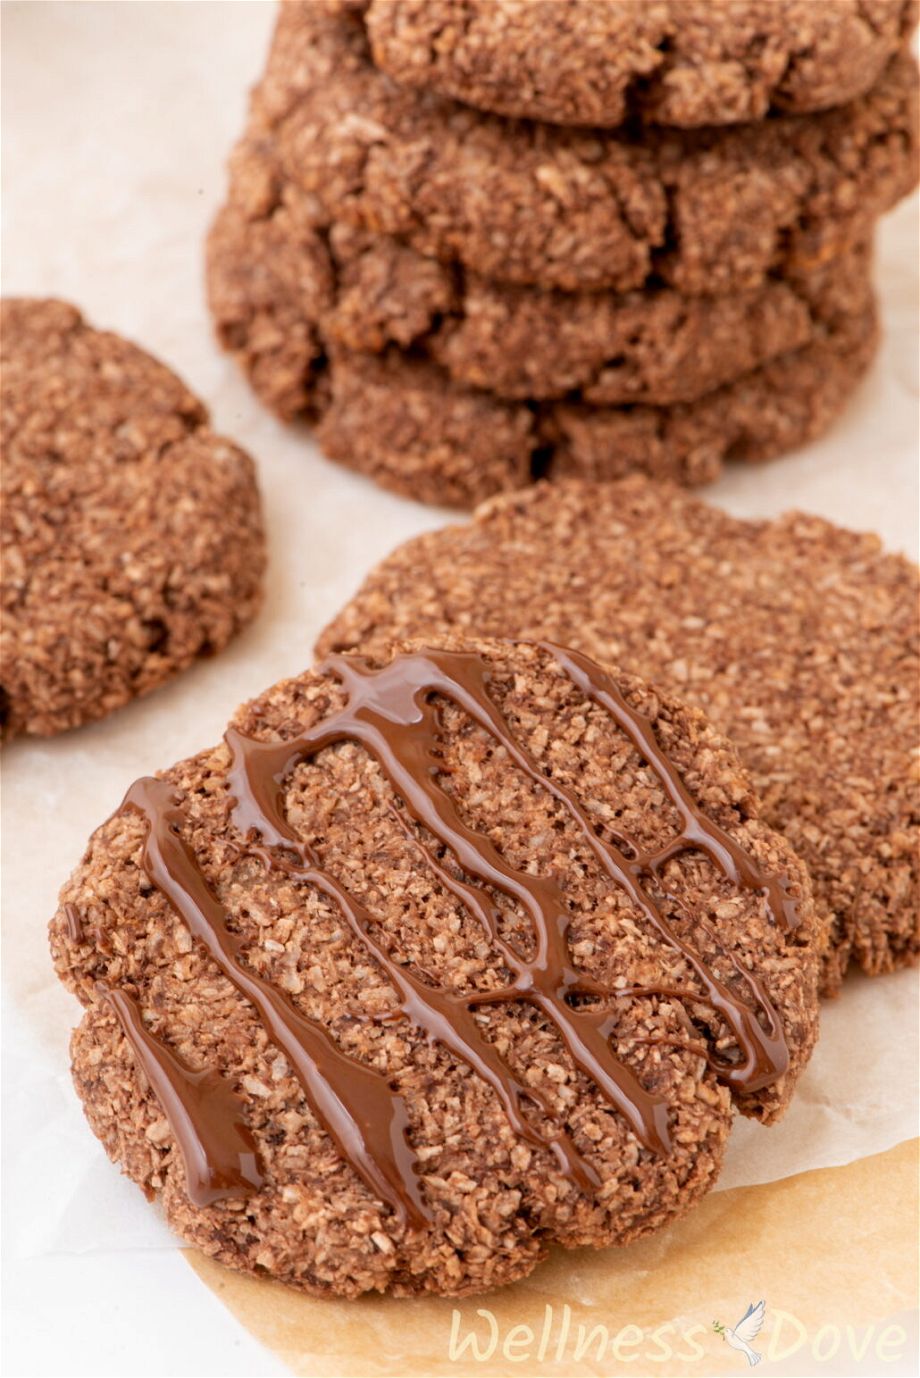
(709, 211)
(600, 62)
(797, 638)
(132, 534)
(441, 956)
(274, 276)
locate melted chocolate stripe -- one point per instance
(389, 712)
(441, 1014)
(766, 1056)
(205, 1115)
(765, 1052)
(73, 922)
(380, 702)
(366, 1119)
(698, 831)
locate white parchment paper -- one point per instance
(117, 119)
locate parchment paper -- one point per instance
(117, 121)
(803, 1245)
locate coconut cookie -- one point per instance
(379, 344)
(403, 422)
(710, 211)
(773, 409)
(600, 62)
(132, 534)
(441, 956)
(277, 282)
(798, 639)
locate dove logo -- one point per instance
(747, 1329)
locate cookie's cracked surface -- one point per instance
(380, 345)
(710, 211)
(680, 62)
(273, 274)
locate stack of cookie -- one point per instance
(476, 242)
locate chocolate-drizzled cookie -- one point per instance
(798, 639)
(682, 62)
(708, 211)
(132, 534)
(443, 955)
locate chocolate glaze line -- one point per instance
(206, 1116)
(766, 1056)
(698, 832)
(366, 1119)
(444, 1015)
(390, 712)
(74, 923)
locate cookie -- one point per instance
(442, 956)
(132, 534)
(272, 273)
(799, 640)
(773, 409)
(405, 424)
(709, 211)
(600, 62)
(305, 309)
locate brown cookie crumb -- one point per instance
(132, 534)
(797, 638)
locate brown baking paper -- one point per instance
(832, 1253)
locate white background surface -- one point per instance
(117, 119)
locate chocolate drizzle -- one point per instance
(367, 1121)
(392, 711)
(204, 1113)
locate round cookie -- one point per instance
(709, 211)
(272, 272)
(600, 62)
(787, 402)
(442, 956)
(290, 300)
(799, 640)
(404, 423)
(132, 534)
